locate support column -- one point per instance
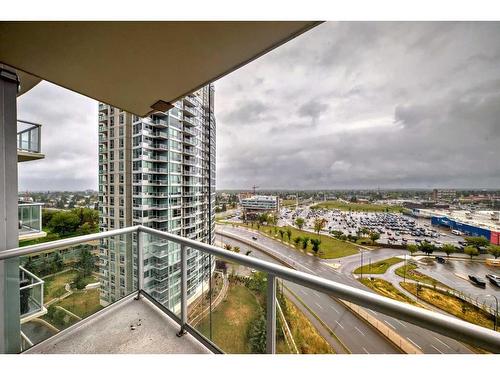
(10, 331)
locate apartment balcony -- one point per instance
(29, 141)
(190, 101)
(30, 221)
(139, 319)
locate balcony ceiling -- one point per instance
(137, 66)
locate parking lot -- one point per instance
(394, 228)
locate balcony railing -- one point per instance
(29, 136)
(146, 238)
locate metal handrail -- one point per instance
(440, 323)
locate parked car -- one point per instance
(477, 281)
(494, 279)
(254, 238)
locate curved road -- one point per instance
(356, 334)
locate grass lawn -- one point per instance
(82, 303)
(54, 285)
(452, 305)
(306, 337)
(378, 267)
(230, 320)
(288, 202)
(413, 274)
(329, 248)
(386, 289)
(364, 207)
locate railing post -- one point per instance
(271, 315)
(183, 291)
(140, 264)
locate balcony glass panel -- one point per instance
(60, 287)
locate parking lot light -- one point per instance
(496, 310)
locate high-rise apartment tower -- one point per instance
(157, 171)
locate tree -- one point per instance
(80, 281)
(64, 223)
(282, 233)
(227, 246)
(477, 242)
(58, 261)
(494, 250)
(448, 249)
(472, 251)
(319, 224)
(374, 236)
(257, 334)
(87, 262)
(288, 234)
(315, 242)
(299, 222)
(426, 247)
(336, 233)
(236, 249)
(305, 241)
(297, 240)
(412, 249)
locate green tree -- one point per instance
(282, 233)
(58, 261)
(315, 242)
(289, 234)
(80, 281)
(297, 240)
(426, 247)
(412, 249)
(448, 249)
(319, 224)
(257, 335)
(87, 262)
(471, 251)
(64, 223)
(477, 241)
(374, 236)
(299, 222)
(336, 233)
(305, 242)
(494, 250)
(228, 247)
(236, 249)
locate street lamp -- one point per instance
(496, 310)
(361, 252)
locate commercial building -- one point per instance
(444, 195)
(257, 204)
(157, 171)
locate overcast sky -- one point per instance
(346, 105)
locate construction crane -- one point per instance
(254, 188)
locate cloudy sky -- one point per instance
(346, 105)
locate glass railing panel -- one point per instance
(61, 287)
(162, 271)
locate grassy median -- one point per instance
(386, 289)
(377, 267)
(329, 248)
(451, 304)
(413, 274)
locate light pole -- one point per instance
(404, 270)
(496, 310)
(361, 252)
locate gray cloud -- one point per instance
(396, 104)
(399, 105)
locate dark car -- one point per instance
(254, 238)
(494, 279)
(441, 260)
(477, 281)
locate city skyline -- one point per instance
(365, 105)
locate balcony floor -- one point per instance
(110, 333)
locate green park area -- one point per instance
(409, 271)
(379, 267)
(329, 247)
(451, 304)
(359, 207)
(386, 289)
(82, 303)
(239, 321)
(288, 203)
(55, 285)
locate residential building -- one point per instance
(444, 195)
(157, 171)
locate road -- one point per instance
(427, 341)
(354, 333)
